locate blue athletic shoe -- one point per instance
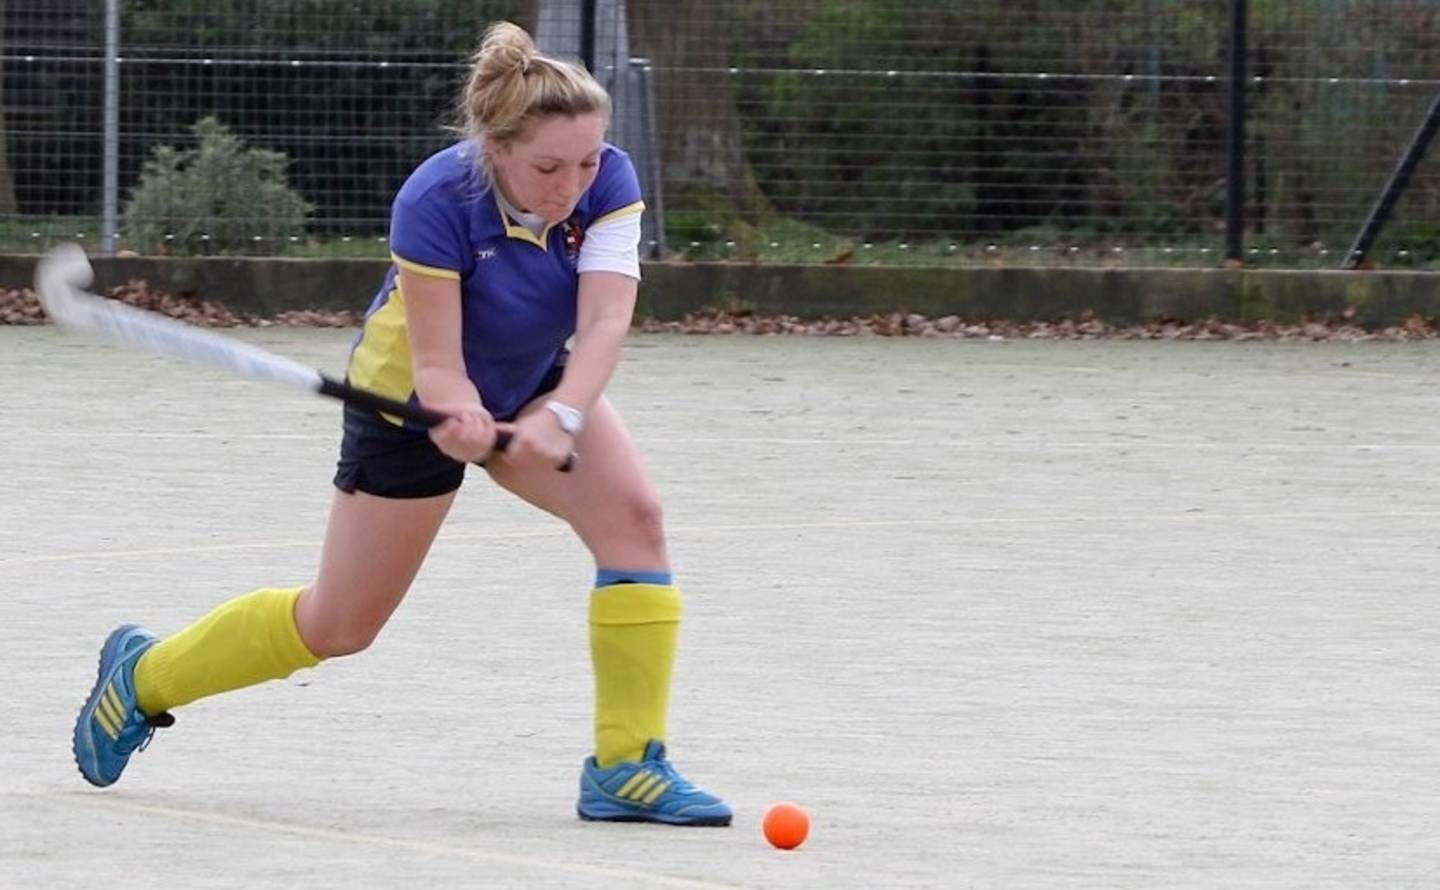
(111, 726)
(648, 791)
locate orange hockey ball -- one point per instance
(786, 825)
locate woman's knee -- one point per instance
(331, 627)
(636, 518)
(645, 517)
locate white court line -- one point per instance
(376, 840)
(1189, 516)
(940, 442)
(1235, 446)
(139, 434)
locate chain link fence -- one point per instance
(985, 131)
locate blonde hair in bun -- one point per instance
(512, 84)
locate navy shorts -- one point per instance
(389, 461)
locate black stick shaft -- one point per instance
(423, 416)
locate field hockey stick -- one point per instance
(63, 274)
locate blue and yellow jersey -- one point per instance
(517, 290)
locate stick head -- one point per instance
(61, 280)
(61, 274)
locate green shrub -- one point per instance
(218, 197)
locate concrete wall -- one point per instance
(669, 290)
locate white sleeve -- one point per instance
(612, 246)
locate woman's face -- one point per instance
(550, 166)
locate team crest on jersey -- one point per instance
(574, 238)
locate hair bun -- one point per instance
(506, 49)
(511, 81)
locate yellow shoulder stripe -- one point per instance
(627, 210)
(432, 271)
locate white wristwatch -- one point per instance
(571, 420)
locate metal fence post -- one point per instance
(645, 151)
(587, 34)
(1235, 148)
(110, 183)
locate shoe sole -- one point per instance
(659, 819)
(82, 737)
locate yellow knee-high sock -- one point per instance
(250, 639)
(633, 631)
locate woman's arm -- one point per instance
(433, 323)
(604, 309)
(605, 304)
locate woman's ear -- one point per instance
(495, 149)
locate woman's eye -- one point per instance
(546, 171)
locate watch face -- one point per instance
(569, 418)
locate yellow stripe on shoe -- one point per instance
(655, 793)
(651, 780)
(630, 783)
(113, 706)
(107, 724)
